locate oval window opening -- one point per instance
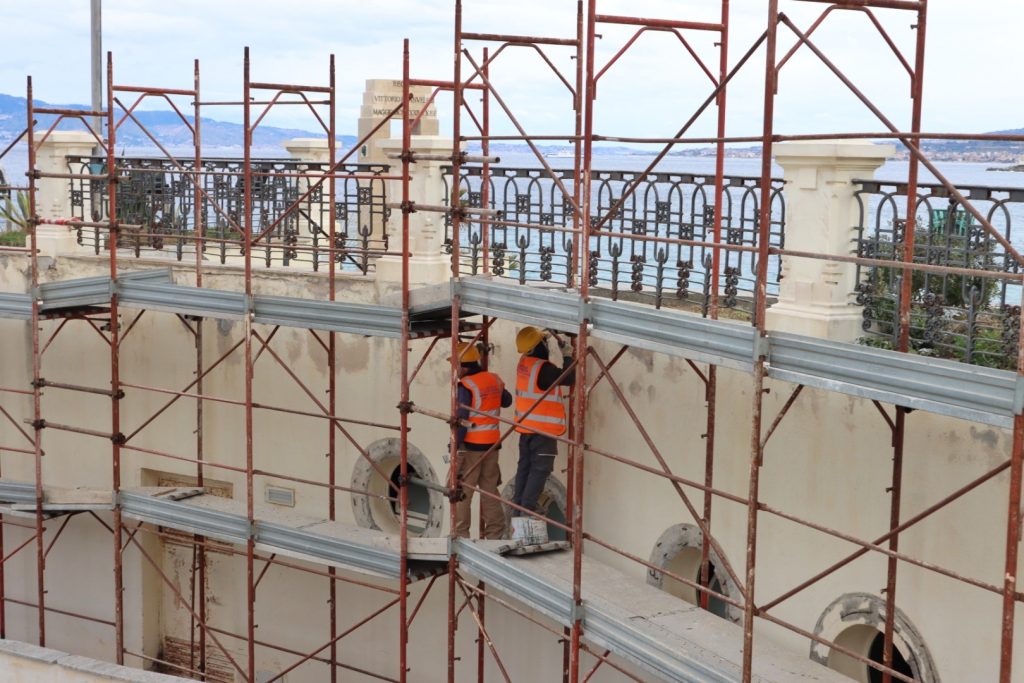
(419, 501)
(375, 501)
(679, 552)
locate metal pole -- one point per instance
(247, 225)
(578, 417)
(485, 176)
(198, 219)
(485, 228)
(711, 385)
(36, 371)
(96, 54)
(906, 289)
(332, 380)
(764, 230)
(115, 367)
(403, 489)
(453, 456)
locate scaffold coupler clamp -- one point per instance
(455, 494)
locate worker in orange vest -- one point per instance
(535, 374)
(481, 396)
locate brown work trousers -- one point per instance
(486, 476)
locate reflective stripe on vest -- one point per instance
(549, 415)
(486, 389)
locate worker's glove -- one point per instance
(565, 347)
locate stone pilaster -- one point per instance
(427, 265)
(815, 296)
(53, 195)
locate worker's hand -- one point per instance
(565, 347)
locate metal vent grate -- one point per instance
(279, 495)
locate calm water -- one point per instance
(961, 173)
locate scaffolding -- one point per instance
(475, 573)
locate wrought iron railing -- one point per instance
(665, 205)
(156, 200)
(972, 319)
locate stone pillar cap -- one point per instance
(419, 142)
(315, 143)
(831, 149)
(65, 137)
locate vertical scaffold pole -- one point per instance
(711, 385)
(906, 286)
(580, 251)
(580, 388)
(37, 413)
(760, 305)
(456, 222)
(485, 228)
(1013, 531)
(403, 489)
(250, 549)
(115, 365)
(199, 222)
(332, 379)
(485, 173)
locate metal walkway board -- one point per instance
(650, 629)
(287, 532)
(944, 387)
(969, 392)
(15, 306)
(91, 291)
(154, 290)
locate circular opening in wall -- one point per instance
(854, 622)
(679, 551)
(551, 503)
(419, 500)
(381, 508)
(867, 642)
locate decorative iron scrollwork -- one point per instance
(662, 212)
(498, 252)
(546, 256)
(684, 269)
(637, 272)
(731, 289)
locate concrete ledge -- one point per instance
(28, 663)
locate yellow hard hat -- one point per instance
(468, 353)
(527, 339)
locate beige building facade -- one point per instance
(830, 461)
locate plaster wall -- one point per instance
(31, 664)
(830, 460)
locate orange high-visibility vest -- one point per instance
(549, 415)
(486, 389)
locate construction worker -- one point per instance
(485, 394)
(537, 449)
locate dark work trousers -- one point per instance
(536, 461)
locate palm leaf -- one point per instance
(15, 212)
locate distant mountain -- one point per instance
(166, 126)
(937, 150)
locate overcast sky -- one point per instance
(973, 79)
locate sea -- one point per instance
(964, 175)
